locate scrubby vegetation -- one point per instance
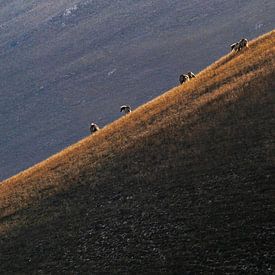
(182, 184)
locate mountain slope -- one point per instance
(63, 62)
(183, 184)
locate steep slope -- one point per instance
(63, 62)
(183, 184)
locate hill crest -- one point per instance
(67, 69)
(178, 185)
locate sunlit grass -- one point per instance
(146, 144)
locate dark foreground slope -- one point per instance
(62, 62)
(183, 184)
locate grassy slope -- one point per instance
(60, 72)
(184, 183)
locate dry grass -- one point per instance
(209, 138)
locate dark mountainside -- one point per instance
(182, 185)
(66, 63)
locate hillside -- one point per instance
(63, 62)
(184, 184)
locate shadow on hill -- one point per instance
(204, 204)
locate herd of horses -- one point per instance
(126, 109)
(238, 46)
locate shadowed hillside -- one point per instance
(184, 184)
(62, 62)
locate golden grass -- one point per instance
(210, 139)
(223, 83)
